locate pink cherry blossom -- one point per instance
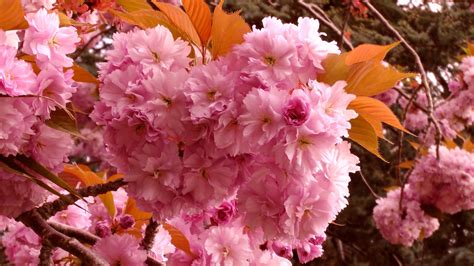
(47, 41)
(120, 249)
(228, 246)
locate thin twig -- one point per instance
(316, 11)
(421, 68)
(34, 220)
(368, 185)
(150, 232)
(344, 26)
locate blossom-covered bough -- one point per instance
(212, 143)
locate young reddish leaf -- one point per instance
(227, 30)
(468, 145)
(62, 120)
(83, 174)
(180, 20)
(363, 134)
(450, 144)
(135, 5)
(407, 164)
(82, 75)
(12, 16)
(140, 216)
(367, 52)
(371, 78)
(335, 68)
(142, 18)
(178, 239)
(372, 109)
(200, 15)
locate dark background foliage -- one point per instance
(438, 37)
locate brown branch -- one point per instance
(45, 253)
(150, 232)
(34, 220)
(316, 11)
(81, 235)
(89, 238)
(421, 68)
(51, 208)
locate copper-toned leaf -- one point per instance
(335, 68)
(87, 177)
(141, 18)
(363, 134)
(367, 52)
(200, 15)
(62, 120)
(372, 109)
(180, 20)
(132, 209)
(134, 5)
(82, 75)
(178, 239)
(227, 30)
(468, 145)
(12, 16)
(407, 164)
(371, 78)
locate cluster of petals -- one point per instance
(28, 98)
(447, 183)
(403, 225)
(253, 125)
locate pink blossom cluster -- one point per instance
(252, 125)
(28, 98)
(406, 224)
(219, 236)
(454, 114)
(447, 183)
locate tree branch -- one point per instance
(34, 220)
(150, 233)
(316, 11)
(45, 253)
(89, 238)
(51, 208)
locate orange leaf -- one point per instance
(180, 20)
(142, 18)
(374, 110)
(407, 164)
(468, 145)
(227, 30)
(135, 5)
(366, 52)
(200, 15)
(12, 16)
(178, 239)
(132, 209)
(82, 75)
(371, 78)
(364, 134)
(335, 68)
(89, 178)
